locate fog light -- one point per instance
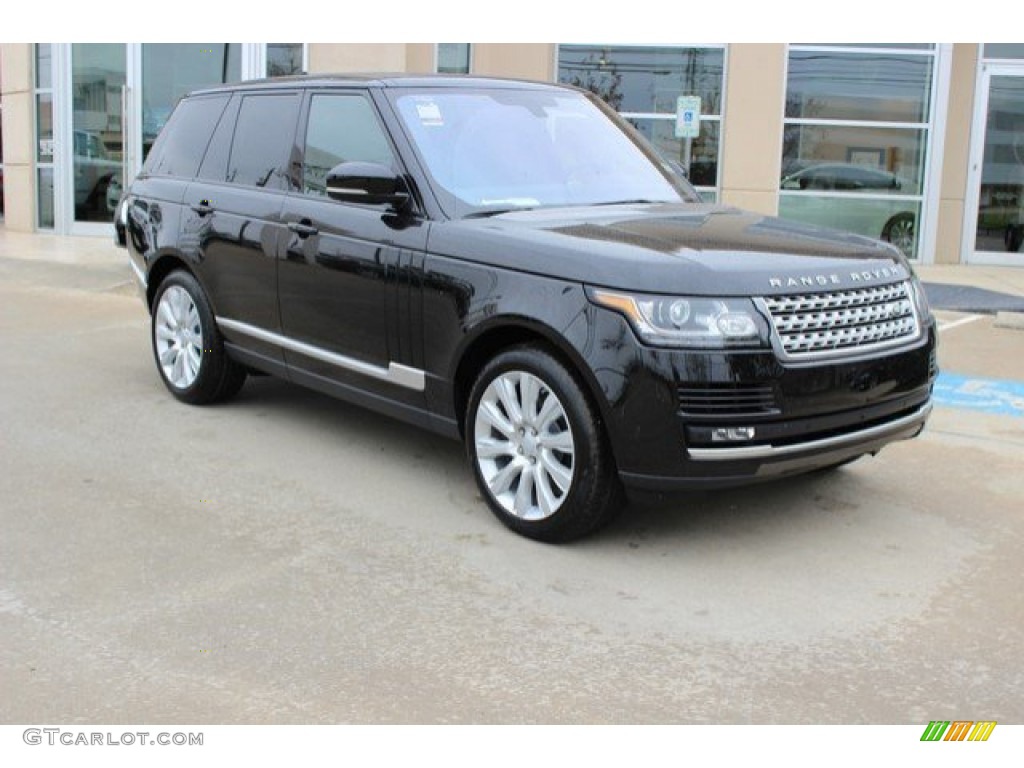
(732, 434)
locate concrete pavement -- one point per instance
(287, 558)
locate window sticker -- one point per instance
(429, 113)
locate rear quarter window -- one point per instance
(183, 141)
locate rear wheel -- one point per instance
(187, 345)
(538, 451)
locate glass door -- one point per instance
(97, 141)
(120, 97)
(996, 206)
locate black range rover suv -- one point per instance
(511, 264)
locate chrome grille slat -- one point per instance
(818, 324)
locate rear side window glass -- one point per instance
(215, 164)
(341, 128)
(264, 139)
(182, 143)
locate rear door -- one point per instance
(233, 214)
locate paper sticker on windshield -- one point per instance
(429, 112)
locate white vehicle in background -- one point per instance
(895, 223)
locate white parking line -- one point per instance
(961, 321)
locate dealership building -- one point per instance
(921, 144)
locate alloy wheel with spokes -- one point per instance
(524, 445)
(537, 447)
(178, 337)
(187, 344)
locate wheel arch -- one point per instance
(508, 332)
(161, 267)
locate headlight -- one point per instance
(688, 321)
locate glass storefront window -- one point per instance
(44, 65)
(892, 220)
(284, 59)
(170, 70)
(856, 136)
(1004, 50)
(44, 197)
(44, 127)
(853, 158)
(644, 83)
(859, 86)
(645, 79)
(44, 134)
(703, 159)
(453, 58)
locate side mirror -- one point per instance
(367, 183)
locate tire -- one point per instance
(538, 450)
(187, 346)
(900, 230)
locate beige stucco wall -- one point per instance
(532, 61)
(755, 92)
(16, 88)
(956, 147)
(419, 57)
(357, 57)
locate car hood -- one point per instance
(672, 248)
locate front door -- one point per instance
(346, 267)
(996, 207)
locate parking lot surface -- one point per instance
(288, 558)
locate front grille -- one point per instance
(731, 401)
(820, 324)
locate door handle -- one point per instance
(303, 228)
(203, 208)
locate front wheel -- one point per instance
(538, 450)
(188, 348)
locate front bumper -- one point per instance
(663, 408)
(751, 464)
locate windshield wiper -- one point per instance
(485, 212)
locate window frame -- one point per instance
(925, 200)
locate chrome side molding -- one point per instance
(395, 373)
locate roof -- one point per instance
(383, 80)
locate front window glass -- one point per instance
(342, 128)
(510, 149)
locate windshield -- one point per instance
(489, 151)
